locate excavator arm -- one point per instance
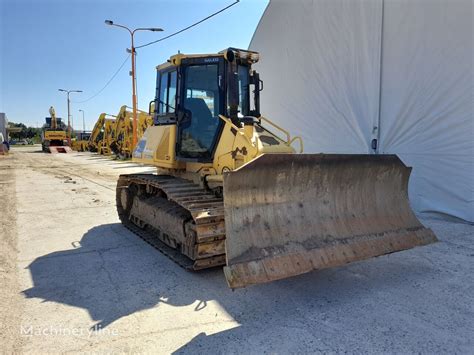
(96, 132)
(121, 143)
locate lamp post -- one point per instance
(69, 113)
(133, 72)
(83, 122)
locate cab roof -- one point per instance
(243, 54)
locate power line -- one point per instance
(190, 26)
(150, 43)
(107, 84)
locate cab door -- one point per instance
(202, 99)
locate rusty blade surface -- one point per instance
(289, 214)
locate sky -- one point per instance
(50, 44)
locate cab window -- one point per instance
(166, 98)
(243, 84)
(172, 92)
(163, 97)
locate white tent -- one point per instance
(343, 73)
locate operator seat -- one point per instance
(203, 124)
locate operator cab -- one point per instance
(193, 90)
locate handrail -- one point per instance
(289, 140)
(288, 137)
(301, 142)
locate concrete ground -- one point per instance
(73, 279)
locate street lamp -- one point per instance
(69, 112)
(133, 73)
(83, 122)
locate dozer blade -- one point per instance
(289, 214)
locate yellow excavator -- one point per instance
(108, 137)
(97, 133)
(231, 189)
(80, 143)
(53, 135)
(102, 134)
(122, 143)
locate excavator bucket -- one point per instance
(289, 214)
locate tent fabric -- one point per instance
(342, 73)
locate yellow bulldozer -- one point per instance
(231, 189)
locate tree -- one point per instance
(25, 132)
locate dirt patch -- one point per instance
(10, 300)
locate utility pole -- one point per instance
(69, 112)
(83, 122)
(133, 72)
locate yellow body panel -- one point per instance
(234, 150)
(157, 147)
(54, 135)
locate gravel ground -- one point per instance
(73, 279)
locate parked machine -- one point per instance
(101, 134)
(231, 189)
(122, 144)
(80, 143)
(53, 136)
(108, 137)
(96, 133)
